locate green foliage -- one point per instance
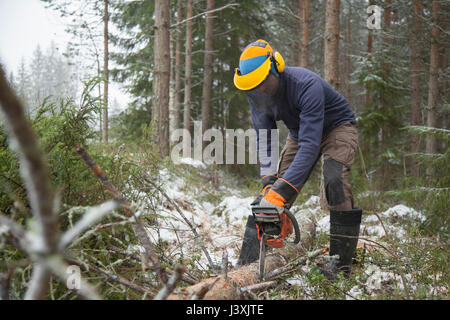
(386, 88)
(431, 190)
(60, 125)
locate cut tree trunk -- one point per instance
(227, 286)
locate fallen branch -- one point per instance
(301, 261)
(221, 288)
(171, 284)
(91, 216)
(194, 231)
(43, 245)
(258, 286)
(137, 226)
(113, 277)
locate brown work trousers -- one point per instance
(338, 149)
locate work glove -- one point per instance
(280, 193)
(267, 181)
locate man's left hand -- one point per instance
(278, 195)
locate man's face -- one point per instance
(270, 85)
(263, 96)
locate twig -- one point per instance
(225, 264)
(137, 226)
(171, 284)
(395, 255)
(59, 268)
(33, 168)
(277, 272)
(35, 175)
(203, 13)
(113, 277)
(258, 286)
(123, 252)
(90, 217)
(194, 231)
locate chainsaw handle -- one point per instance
(294, 223)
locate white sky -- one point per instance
(23, 25)
(26, 23)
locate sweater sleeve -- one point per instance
(311, 102)
(267, 140)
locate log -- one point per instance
(229, 287)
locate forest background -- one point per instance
(176, 61)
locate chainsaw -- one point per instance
(273, 229)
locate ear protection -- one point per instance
(276, 59)
(258, 60)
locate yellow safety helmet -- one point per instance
(255, 63)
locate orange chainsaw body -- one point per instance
(274, 225)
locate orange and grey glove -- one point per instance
(280, 193)
(267, 182)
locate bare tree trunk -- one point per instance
(105, 71)
(175, 114)
(188, 77)
(331, 66)
(384, 129)
(416, 81)
(369, 51)
(433, 87)
(161, 82)
(331, 63)
(208, 72)
(297, 46)
(305, 33)
(301, 54)
(348, 59)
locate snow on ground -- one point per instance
(192, 162)
(222, 226)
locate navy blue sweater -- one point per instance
(310, 108)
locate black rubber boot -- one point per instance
(344, 233)
(250, 244)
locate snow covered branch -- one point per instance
(43, 245)
(137, 225)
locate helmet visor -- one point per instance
(264, 96)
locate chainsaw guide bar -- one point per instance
(273, 228)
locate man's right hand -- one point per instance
(267, 182)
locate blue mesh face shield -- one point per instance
(266, 95)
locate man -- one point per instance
(320, 123)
